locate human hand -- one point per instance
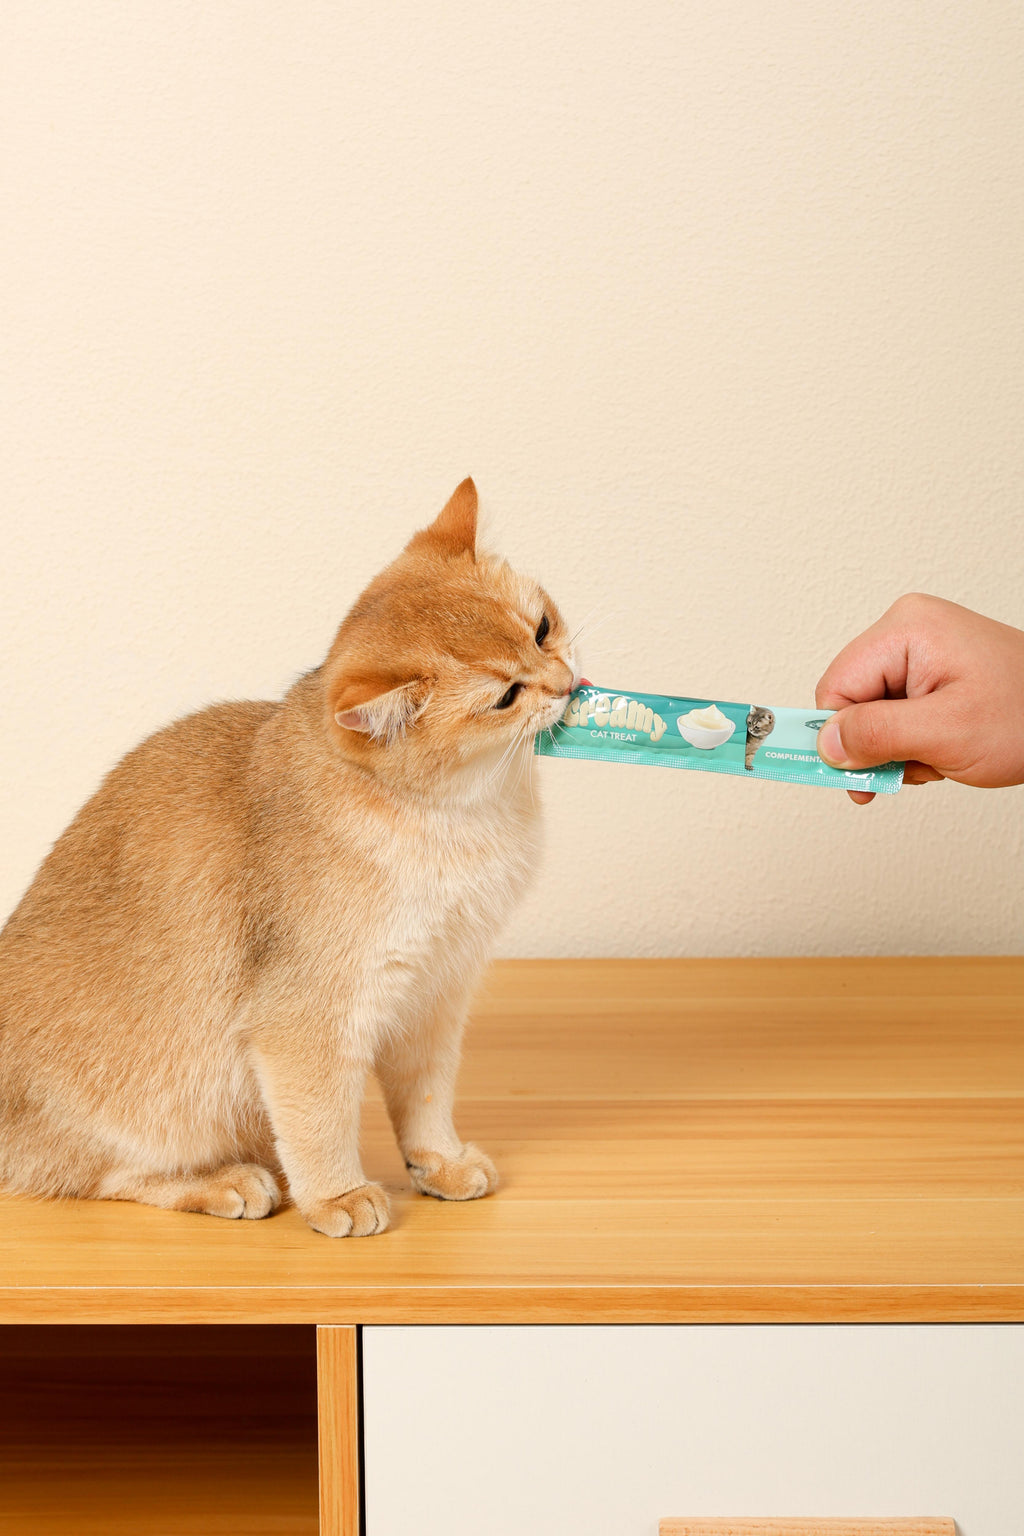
(931, 684)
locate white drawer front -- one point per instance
(601, 1431)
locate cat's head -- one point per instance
(447, 660)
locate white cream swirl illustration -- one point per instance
(706, 727)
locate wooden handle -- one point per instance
(771, 1527)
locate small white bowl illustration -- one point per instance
(703, 737)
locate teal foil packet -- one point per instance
(749, 740)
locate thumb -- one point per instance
(885, 730)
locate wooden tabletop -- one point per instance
(679, 1141)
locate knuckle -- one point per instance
(916, 605)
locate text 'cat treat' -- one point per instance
(651, 728)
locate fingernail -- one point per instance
(830, 744)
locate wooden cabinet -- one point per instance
(703, 1162)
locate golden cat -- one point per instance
(265, 901)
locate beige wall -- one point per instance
(721, 303)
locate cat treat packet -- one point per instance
(650, 728)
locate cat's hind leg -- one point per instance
(235, 1190)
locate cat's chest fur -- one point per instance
(451, 875)
(414, 893)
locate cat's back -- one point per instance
(167, 820)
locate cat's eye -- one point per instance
(542, 630)
(509, 697)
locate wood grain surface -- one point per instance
(338, 1391)
(737, 1140)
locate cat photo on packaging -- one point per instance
(265, 902)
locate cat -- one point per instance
(266, 901)
(760, 724)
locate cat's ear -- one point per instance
(453, 531)
(377, 705)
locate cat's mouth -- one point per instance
(550, 715)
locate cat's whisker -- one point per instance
(504, 759)
(601, 623)
(579, 630)
(596, 612)
(509, 753)
(527, 736)
(513, 754)
(596, 618)
(530, 756)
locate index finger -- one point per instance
(873, 666)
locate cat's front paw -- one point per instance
(465, 1177)
(361, 1212)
